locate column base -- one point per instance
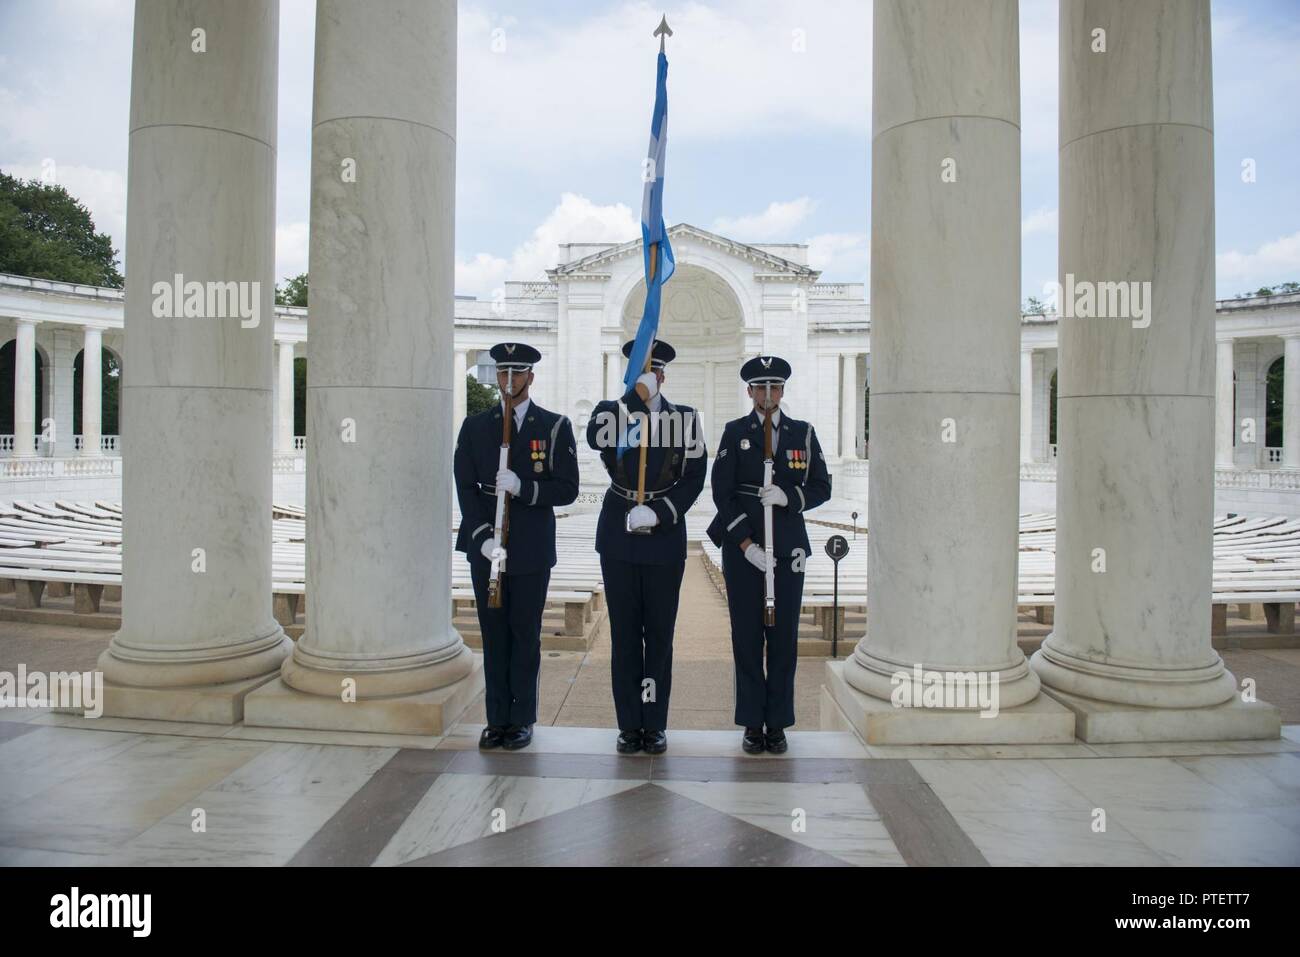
(1017, 683)
(277, 705)
(201, 704)
(1106, 722)
(1202, 686)
(877, 721)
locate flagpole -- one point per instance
(663, 32)
(645, 426)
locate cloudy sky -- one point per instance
(769, 130)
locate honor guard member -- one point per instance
(541, 473)
(643, 547)
(799, 482)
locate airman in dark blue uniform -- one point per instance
(643, 546)
(800, 482)
(541, 473)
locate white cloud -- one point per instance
(841, 257)
(774, 223)
(1272, 262)
(734, 69)
(574, 219)
(290, 250)
(1039, 221)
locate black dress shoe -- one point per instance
(776, 742)
(753, 742)
(654, 742)
(492, 737)
(629, 742)
(518, 736)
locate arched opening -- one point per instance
(866, 421)
(702, 319)
(8, 357)
(1051, 414)
(110, 393)
(1272, 404)
(300, 396)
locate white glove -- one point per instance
(490, 549)
(509, 481)
(756, 556)
(772, 495)
(650, 382)
(643, 516)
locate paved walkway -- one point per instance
(120, 792)
(111, 791)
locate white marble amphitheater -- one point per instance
(1136, 434)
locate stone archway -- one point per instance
(110, 391)
(703, 320)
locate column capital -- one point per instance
(1289, 336)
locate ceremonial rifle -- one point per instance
(501, 526)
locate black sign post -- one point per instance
(836, 547)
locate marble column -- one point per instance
(1135, 472)
(284, 398)
(92, 391)
(613, 374)
(707, 426)
(1026, 404)
(459, 373)
(379, 652)
(1291, 402)
(944, 492)
(25, 389)
(197, 629)
(848, 406)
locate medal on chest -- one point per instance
(537, 452)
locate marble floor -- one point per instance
(113, 791)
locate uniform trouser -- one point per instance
(642, 614)
(763, 699)
(512, 644)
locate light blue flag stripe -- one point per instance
(653, 235)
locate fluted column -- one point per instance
(284, 414)
(1026, 404)
(1223, 395)
(25, 389)
(849, 406)
(380, 394)
(1291, 403)
(197, 630)
(92, 391)
(945, 398)
(1136, 407)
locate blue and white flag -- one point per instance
(658, 252)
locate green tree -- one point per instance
(479, 397)
(46, 233)
(293, 292)
(1033, 306)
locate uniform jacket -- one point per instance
(674, 480)
(738, 473)
(543, 455)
